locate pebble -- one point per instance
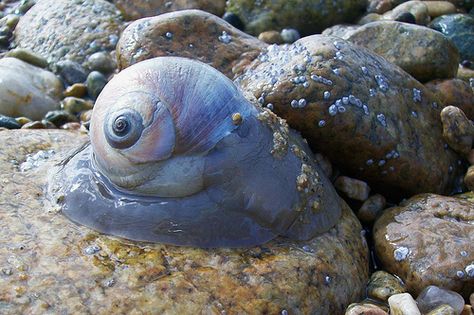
(86, 116)
(433, 296)
(102, 62)
(470, 157)
(454, 92)
(379, 6)
(468, 310)
(76, 90)
(403, 304)
(469, 178)
(22, 120)
(364, 309)
(71, 72)
(371, 208)
(443, 309)
(289, 35)
(28, 56)
(59, 117)
(438, 8)
(95, 83)
(43, 124)
(8, 122)
(271, 37)
(75, 105)
(352, 188)
(10, 20)
(416, 8)
(382, 285)
(458, 130)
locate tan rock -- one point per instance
(417, 8)
(189, 33)
(383, 285)
(470, 157)
(444, 309)
(403, 304)
(466, 74)
(76, 90)
(455, 92)
(137, 9)
(469, 178)
(352, 188)
(364, 309)
(71, 269)
(467, 310)
(428, 240)
(271, 37)
(438, 8)
(458, 130)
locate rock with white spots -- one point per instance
(371, 119)
(429, 240)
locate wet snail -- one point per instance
(179, 156)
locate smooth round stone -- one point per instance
(444, 309)
(364, 309)
(417, 8)
(71, 72)
(427, 240)
(22, 120)
(290, 35)
(43, 124)
(420, 51)
(59, 117)
(455, 92)
(438, 8)
(371, 208)
(379, 6)
(102, 62)
(307, 16)
(86, 116)
(382, 285)
(352, 188)
(459, 28)
(458, 130)
(137, 9)
(8, 122)
(191, 34)
(75, 105)
(76, 90)
(470, 157)
(10, 20)
(270, 37)
(65, 29)
(432, 296)
(28, 56)
(27, 90)
(95, 83)
(321, 276)
(403, 304)
(466, 74)
(469, 178)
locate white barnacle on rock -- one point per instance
(401, 253)
(225, 38)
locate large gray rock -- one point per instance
(368, 116)
(64, 29)
(50, 265)
(26, 90)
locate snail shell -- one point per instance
(179, 156)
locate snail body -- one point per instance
(179, 156)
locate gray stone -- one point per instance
(432, 297)
(71, 72)
(95, 83)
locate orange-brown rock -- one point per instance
(189, 33)
(454, 92)
(428, 240)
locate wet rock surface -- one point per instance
(189, 33)
(63, 29)
(458, 130)
(429, 240)
(97, 273)
(454, 92)
(341, 97)
(137, 9)
(424, 53)
(27, 90)
(308, 17)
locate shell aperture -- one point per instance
(179, 156)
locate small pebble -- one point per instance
(102, 62)
(469, 178)
(76, 90)
(95, 83)
(86, 116)
(444, 309)
(403, 304)
(28, 56)
(290, 35)
(371, 208)
(382, 285)
(9, 122)
(71, 72)
(270, 37)
(364, 309)
(75, 105)
(59, 117)
(22, 120)
(432, 296)
(352, 188)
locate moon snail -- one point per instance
(178, 155)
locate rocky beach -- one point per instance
(334, 138)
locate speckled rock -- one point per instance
(27, 90)
(307, 16)
(432, 297)
(137, 9)
(458, 130)
(382, 285)
(454, 92)
(403, 304)
(189, 33)
(417, 8)
(64, 29)
(364, 309)
(460, 29)
(93, 273)
(429, 239)
(422, 52)
(341, 98)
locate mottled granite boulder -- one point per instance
(368, 116)
(429, 239)
(422, 52)
(307, 16)
(50, 265)
(64, 29)
(137, 9)
(189, 33)
(26, 90)
(455, 92)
